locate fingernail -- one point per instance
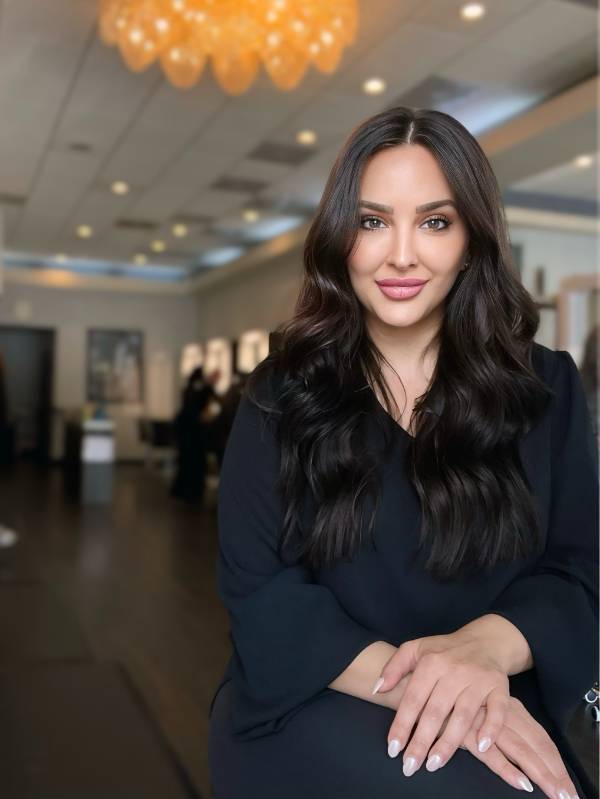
(394, 747)
(563, 795)
(378, 685)
(525, 784)
(434, 762)
(409, 767)
(484, 744)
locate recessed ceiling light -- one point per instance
(583, 161)
(374, 86)
(180, 230)
(158, 246)
(306, 137)
(472, 11)
(251, 215)
(119, 187)
(60, 257)
(84, 231)
(140, 259)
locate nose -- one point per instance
(402, 250)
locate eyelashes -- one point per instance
(436, 218)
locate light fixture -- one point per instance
(284, 35)
(180, 230)
(306, 137)
(250, 215)
(158, 246)
(583, 161)
(140, 259)
(472, 11)
(374, 86)
(84, 231)
(119, 187)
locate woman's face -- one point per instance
(397, 240)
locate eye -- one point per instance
(440, 218)
(364, 219)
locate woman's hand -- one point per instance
(452, 676)
(526, 743)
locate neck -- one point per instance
(405, 348)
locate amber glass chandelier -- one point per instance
(237, 35)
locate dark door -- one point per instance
(26, 360)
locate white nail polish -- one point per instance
(484, 744)
(394, 747)
(378, 685)
(409, 767)
(563, 795)
(525, 784)
(434, 762)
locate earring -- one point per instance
(466, 266)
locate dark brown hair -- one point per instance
(477, 507)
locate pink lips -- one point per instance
(401, 289)
(409, 281)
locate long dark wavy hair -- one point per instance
(477, 506)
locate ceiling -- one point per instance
(75, 119)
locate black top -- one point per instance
(294, 631)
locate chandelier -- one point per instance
(237, 35)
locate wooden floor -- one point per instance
(139, 578)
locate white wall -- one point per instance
(168, 322)
(262, 297)
(562, 254)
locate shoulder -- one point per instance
(258, 406)
(552, 366)
(571, 424)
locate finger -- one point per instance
(436, 710)
(532, 763)
(414, 699)
(461, 719)
(403, 661)
(497, 705)
(497, 762)
(526, 727)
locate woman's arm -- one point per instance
(497, 635)
(360, 676)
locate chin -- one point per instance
(399, 319)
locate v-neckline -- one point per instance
(390, 417)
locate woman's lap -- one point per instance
(335, 748)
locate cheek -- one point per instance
(368, 254)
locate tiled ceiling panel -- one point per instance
(74, 118)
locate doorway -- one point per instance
(26, 368)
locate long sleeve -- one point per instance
(291, 637)
(556, 606)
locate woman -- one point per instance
(408, 504)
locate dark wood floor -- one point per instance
(139, 578)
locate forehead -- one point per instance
(407, 168)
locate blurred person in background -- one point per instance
(191, 428)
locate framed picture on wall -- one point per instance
(115, 366)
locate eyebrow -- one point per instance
(387, 209)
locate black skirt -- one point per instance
(336, 748)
